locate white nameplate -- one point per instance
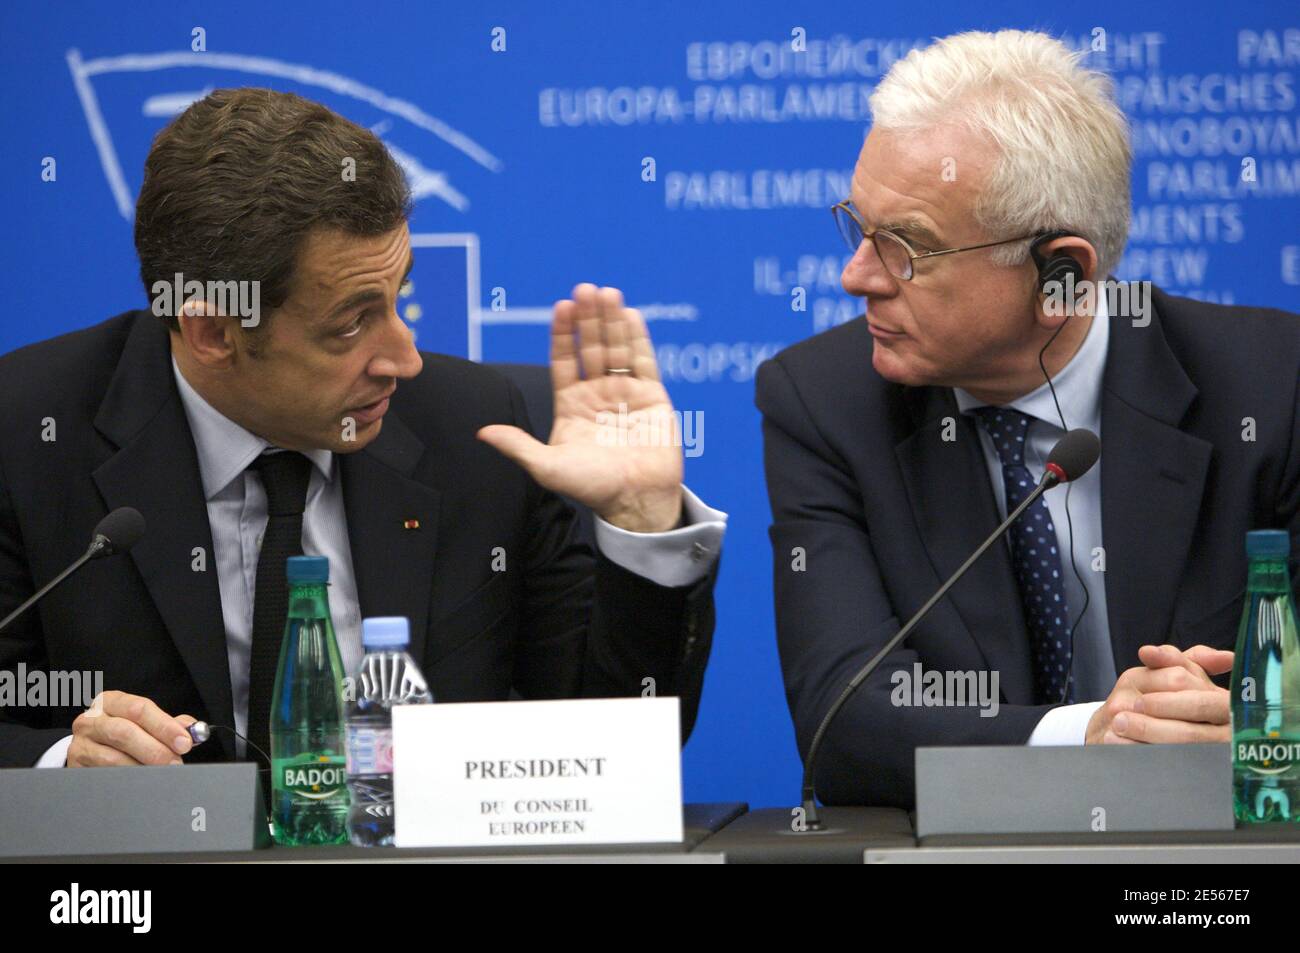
(591, 771)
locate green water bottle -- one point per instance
(1265, 696)
(309, 799)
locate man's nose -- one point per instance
(397, 356)
(865, 274)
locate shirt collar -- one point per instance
(225, 448)
(1078, 384)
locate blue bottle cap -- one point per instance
(1268, 544)
(385, 632)
(307, 569)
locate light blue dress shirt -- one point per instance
(1078, 388)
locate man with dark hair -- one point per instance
(414, 473)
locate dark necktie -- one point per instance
(1035, 557)
(285, 476)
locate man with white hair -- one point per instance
(896, 443)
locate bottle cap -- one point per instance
(1268, 544)
(307, 569)
(386, 632)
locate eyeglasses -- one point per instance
(895, 254)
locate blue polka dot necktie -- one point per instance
(1035, 558)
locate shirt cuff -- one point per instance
(677, 557)
(56, 755)
(1067, 725)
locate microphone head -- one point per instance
(118, 531)
(1074, 455)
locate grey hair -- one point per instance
(1064, 155)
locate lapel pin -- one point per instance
(411, 524)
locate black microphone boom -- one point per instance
(1072, 457)
(116, 533)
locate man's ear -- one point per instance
(1053, 307)
(209, 336)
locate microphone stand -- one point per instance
(100, 546)
(1049, 480)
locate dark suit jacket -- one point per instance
(560, 622)
(886, 510)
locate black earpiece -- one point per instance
(1057, 266)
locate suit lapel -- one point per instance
(1151, 485)
(156, 470)
(392, 528)
(953, 504)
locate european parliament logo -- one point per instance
(127, 98)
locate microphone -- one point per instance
(1072, 457)
(115, 533)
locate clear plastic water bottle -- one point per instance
(1265, 696)
(388, 677)
(309, 800)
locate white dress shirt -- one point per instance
(236, 504)
(1078, 387)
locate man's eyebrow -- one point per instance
(914, 228)
(905, 225)
(364, 297)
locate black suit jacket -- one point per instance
(885, 510)
(561, 621)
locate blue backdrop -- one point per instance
(680, 151)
